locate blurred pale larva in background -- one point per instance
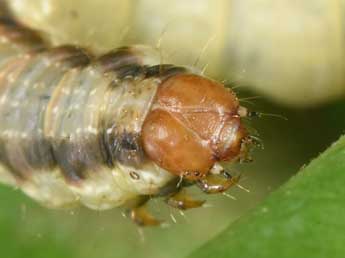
(290, 51)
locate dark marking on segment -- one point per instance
(130, 71)
(69, 160)
(20, 35)
(76, 158)
(71, 55)
(118, 58)
(125, 148)
(6, 20)
(159, 71)
(105, 149)
(128, 63)
(21, 162)
(38, 153)
(164, 71)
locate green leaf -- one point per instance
(304, 218)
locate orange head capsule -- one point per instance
(194, 122)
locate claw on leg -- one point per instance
(141, 216)
(217, 183)
(182, 201)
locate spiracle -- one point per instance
(112, 130)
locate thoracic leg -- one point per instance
(142, 217)
(182, 200)
(217, 183)
(139, 213)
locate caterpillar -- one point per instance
(113, 130)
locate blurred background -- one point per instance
(281, 57)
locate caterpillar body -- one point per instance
(112, 130)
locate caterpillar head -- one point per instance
(194, 123)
